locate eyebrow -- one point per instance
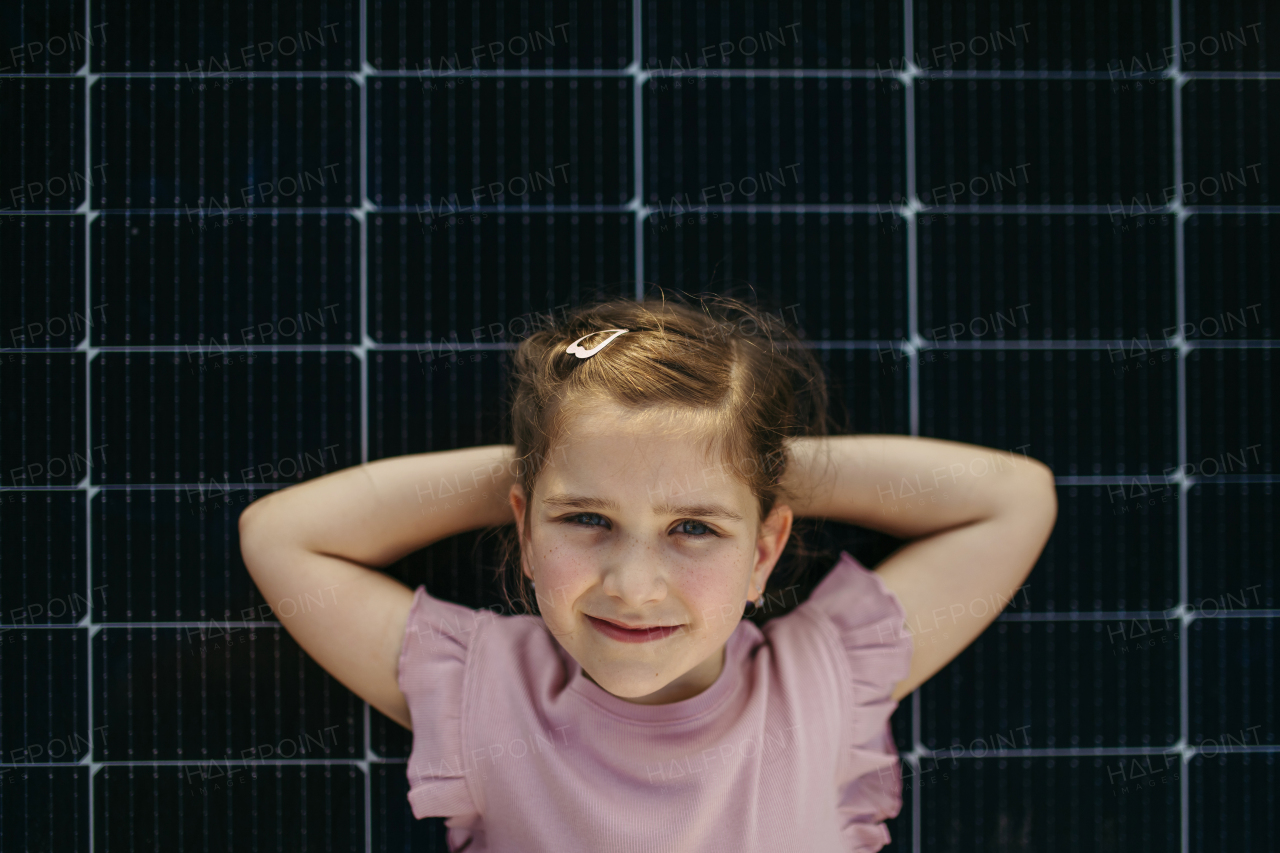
(704, 510)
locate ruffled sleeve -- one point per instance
(433, 679)
(875, 650)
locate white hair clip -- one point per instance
(587, 353)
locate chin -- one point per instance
(630, 687)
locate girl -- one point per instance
(661, 454)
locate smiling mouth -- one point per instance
(619, 632)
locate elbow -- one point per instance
(248, 518)
(1049, 486)
(1031, 494)
(249, 527)
(1043, 494)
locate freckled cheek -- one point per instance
(563, 571)
(713, 594)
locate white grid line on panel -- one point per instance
(361, 350)
(362, 196)
(90, 352)
(900, 211)
(218, 487)
(637, 205)
(779, 73)
(911, 347)
(1228, 748)
(1180, 309)
(1183, 614)
(905, 346)
(913, 758)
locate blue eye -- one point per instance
(699, 530)
(578, 519)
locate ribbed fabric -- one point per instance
(789, 749)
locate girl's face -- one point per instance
(633, 526)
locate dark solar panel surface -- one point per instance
(242, 245)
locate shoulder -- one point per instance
(859, 622)
(442, 633)
(448, 650)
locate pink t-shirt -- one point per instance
(789, 749)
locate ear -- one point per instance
(774, 533)
(518, 502)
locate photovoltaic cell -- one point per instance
(1229, 271)
(209, 692)
(1051, 804)
(1051, 142)
(1114, 549)
(222, 149)
(217, 38)
(1230, 126)
(1055, 684)
(1226, 35)
(1233, 797)
(451, 146)
(762, 36)
(456, 39)
(42, 548)
(550, 262)
(44, 304)
(48, 116)
(301, 271)
(42, 422)
(143, 807)
(173, 555)
(1084, 36)
(1231, 546)
(801, 263)
(732, 140)
(1019, 277)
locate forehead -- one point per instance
(613, 452)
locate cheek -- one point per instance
(713, 589)
(562, 567)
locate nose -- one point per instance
(633, 573)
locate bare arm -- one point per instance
(978, 519)
(324, 537)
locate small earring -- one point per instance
(759, 602)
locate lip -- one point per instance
(614, 631)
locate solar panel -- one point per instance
(248, 245)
